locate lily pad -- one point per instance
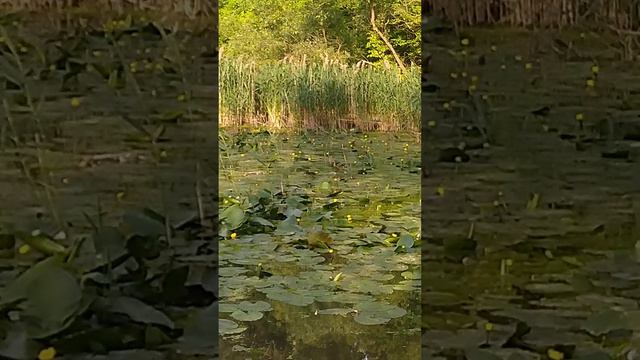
(246, 315)
(605, 322)
(335, 311)
(140, 312)
(228, 327)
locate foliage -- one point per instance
(114, 294)
(315, 30)
(328, 95)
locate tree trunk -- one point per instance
(386, 41)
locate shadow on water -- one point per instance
(99, 122)
(96, 136)
(538, 216)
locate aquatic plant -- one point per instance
(318, 96)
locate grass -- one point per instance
(287, 95)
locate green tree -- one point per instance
(317, 29)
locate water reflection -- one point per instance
(291, 332)
(373, 177)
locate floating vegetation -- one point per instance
(55, 299)
(93, 129)
(329, 238)
(519, 208)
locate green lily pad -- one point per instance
(605, 322)
(52, 297)
(246, 315)
(257, 306)
(144, 223)
(227, 307)
(228, 327)
(370, 319)
(139, 311)
(233, 217)
(288, 227)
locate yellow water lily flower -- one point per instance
(47, 354)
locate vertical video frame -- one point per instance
(531, 191)
(319, 179)
(108, 179)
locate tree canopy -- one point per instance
(340, 30)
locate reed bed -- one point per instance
(191, 8)
(622, 14)
(287, 95)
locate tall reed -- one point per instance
(623, 14)
(299, 95)
(190, 8)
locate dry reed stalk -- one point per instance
(295, 94)
(622, 14)
(190, 8)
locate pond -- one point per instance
(105, 161)
(532, 197)
(320, 256)
(109, 113)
